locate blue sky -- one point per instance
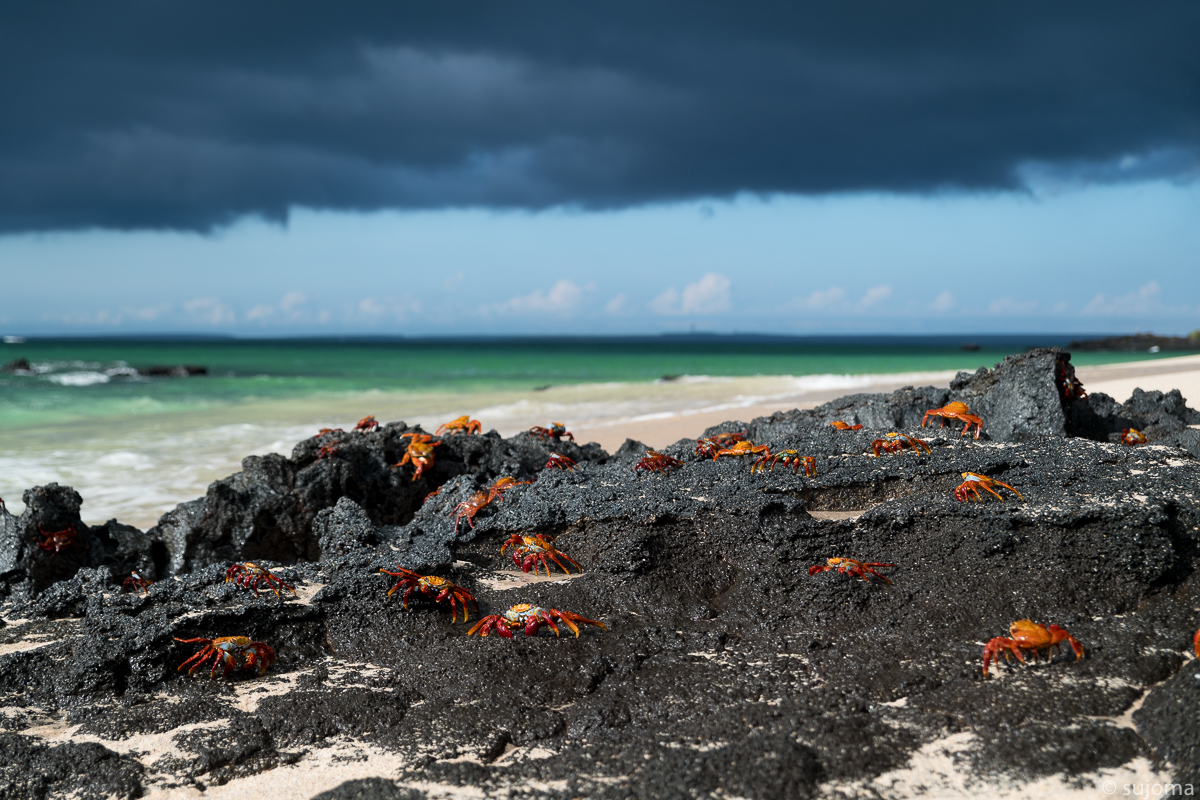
(270, 169)
(1079, 259)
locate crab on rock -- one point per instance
(366, 424)
(531, 618)
(845, 426)
(529, 551)
(956, 410)
(560, 462)
(1027, 635)
(55, 541)
(968, 490)
(419, 453)
(232, 651)
(440, 589)
(249, 576)
(789, 458)
(480, 500)
(463, 424)
(1196, 643)
(894, 443)
(1132, 437)
(136, 583)
(655, 461)
(556, 431)
(855, 569)
(709, 446)
(743, 448)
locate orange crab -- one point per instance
(1132, 437)
(463, 424)
(956, 410)
(1027, 635)
(556, 431)
(1196, 643)
(136, 583)
(742, 448)
(531, 618)
(789, 458)
(968, 490)
(537, 549)
(655, 461)
(57, 540)
(894, 443)
(560, 462)
(324, 431)
(328, 451)
(855, 569)
(232, 652)
(845, 426)
(249, 576)
(439, 588)
(366, 424)
(709, 446)
(419, 453)
(480, 500)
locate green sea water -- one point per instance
(75, 380)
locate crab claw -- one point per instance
(1058, 634)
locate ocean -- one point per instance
(134, 445)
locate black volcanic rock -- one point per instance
(1138, 343)
(725, 670)
(18, 365)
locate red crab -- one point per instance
(894, 443)
(845, 426)
(958, 411)
(463, 424)
(431, 495)
(1132, 436)
(480, 500)
(419, 453)
(556, 431)
(366, 424)
(324, 431)
(1068, 385)
(855, 569)
(560, 462)
(968, 490)
(249, 576)
(232, 651)
(790, 458)
(531, 618)
(58, 540)
(655, 461)
(439, 588)
(537, 549)
(1027, 635)
(742, 448)
(136, 583)
(328, 451)
(1196, 643)
(709, 446)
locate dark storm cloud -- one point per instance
(189, 115)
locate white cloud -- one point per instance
(1144, 300)
(209, 311)
(376, 308)
(709, 295)
(821, 299)
(616, 305)
(260, 311)
(562, 298)
(1007, 306)
(943, 302)
(292, 300)
(875, 295)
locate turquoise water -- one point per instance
(83, 379)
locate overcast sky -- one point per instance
(284, 168)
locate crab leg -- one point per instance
(1006, 486)
(549, 621)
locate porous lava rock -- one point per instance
(724, 669)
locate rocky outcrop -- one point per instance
(725, 669)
